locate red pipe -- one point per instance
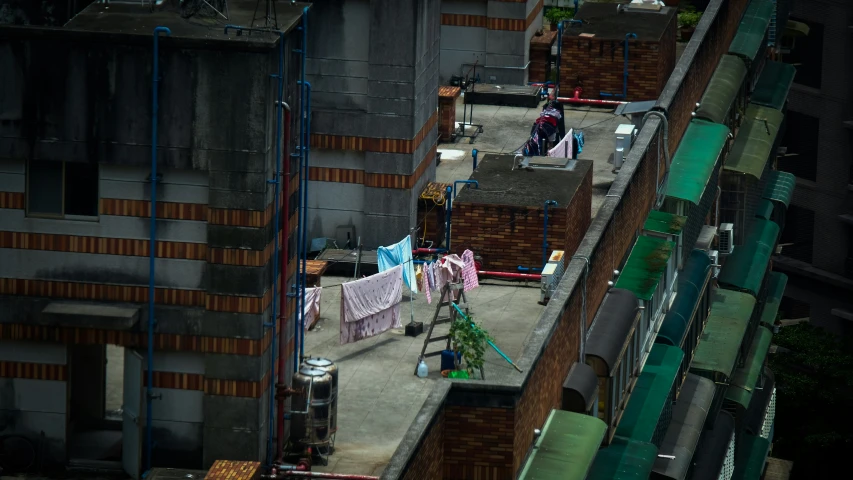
(338, 476)
(511, 276)
(577, 100)
(282, 312)
(421, 251)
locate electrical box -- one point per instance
(625, 135)
(552, 272)
(726, 242)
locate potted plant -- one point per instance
(469, 340)
(688, 18)
(556, 15)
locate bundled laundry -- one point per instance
(449, 269)
(545, 132)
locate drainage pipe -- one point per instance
(510, 276)
(302, 213)
(285, 255)
(660, 185)
(449, 203)
(624, 93)
(474, 154)
(152, 243)
(306, 152)
(553, 203)
(576, 100)
(424, 251)
(466, 182)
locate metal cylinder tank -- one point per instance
(328, 366)
(313, 427)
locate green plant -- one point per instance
(556, 15)
(689, 18)
(470, 340)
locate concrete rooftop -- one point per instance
(601, 20)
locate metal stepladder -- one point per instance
(451, 294)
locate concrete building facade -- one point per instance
(374, 117)
(818, 237)
(75, 200)
(495, 35)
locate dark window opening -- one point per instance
(791, 309)
(801, 144)
(59, 189)
(806, 54)
(798, 237)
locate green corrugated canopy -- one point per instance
(645, 266)
(722, 89)
(750, 457)
(749, 39)
(745, 268)
(651, 393)
(775, 288)
(780, 187)
(695, 159)
(624, 459)
(745, 378)
(764, 209)
(566, 448)
(718, 347)
(663, 222)
(691, 284)
(773, 85)
(754, 141)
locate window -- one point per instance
(62, 189)
(806, 54)
(801, 143)
(797, 238)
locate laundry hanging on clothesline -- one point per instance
(564, 148)
(312, 306)
(449, 269)
(371, 306)
(399, 254)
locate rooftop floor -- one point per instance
(379, 395)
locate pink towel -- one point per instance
(312, 306)
(469, 271)
(425, 284)
(371, 306)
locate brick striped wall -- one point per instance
(492, 23)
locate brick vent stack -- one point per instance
(597, 65)
(447, 111)
(506, 237)
(540, 56)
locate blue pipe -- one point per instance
(276, 264)
(152, 247)
(545, 232)
(305, 106)
(449, 203)
(474, 154)
(467, 182)
(528, 269)
(559, 58)
(624, 93)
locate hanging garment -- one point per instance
(425, 285)
(469, 271)
(312, 307)
(399, 254)
(371, 305)
(564, 148)
(430, 273)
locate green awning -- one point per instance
(651, 394)
(749, 39)
(645, 266)
(745, 378)
(745, 268)
(722, 89)
(754, 141)
(695, 159)
(796, 29)
(663, 222)
(764, 209)
(750, 457)
(776, 283)
(566, 448)
(720, 342)
(691, 284)
(780, 187)
(773, 85)
(624, 459)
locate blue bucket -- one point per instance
(447, 360)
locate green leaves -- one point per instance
(470, 340)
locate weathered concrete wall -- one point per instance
(524, 401)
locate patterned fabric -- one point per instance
(469, 271)
(312, 306)
(371, 306)
(425, 284)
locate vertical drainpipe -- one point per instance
(283, 263)
(559, 57)
(300, 225)
(149, 390)
(545, 233)
(449, 202)
(306, 148)
(474, 154)
(624, 94)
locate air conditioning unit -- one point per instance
(714, 255)
(552, 272)
(625, 135)
(726, 242)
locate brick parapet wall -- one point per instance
(553, 345)
(540, 56)
(506, 237)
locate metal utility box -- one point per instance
(625, 134)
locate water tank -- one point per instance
(314, 427)
(328, 366)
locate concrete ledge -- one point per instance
(88, 315)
